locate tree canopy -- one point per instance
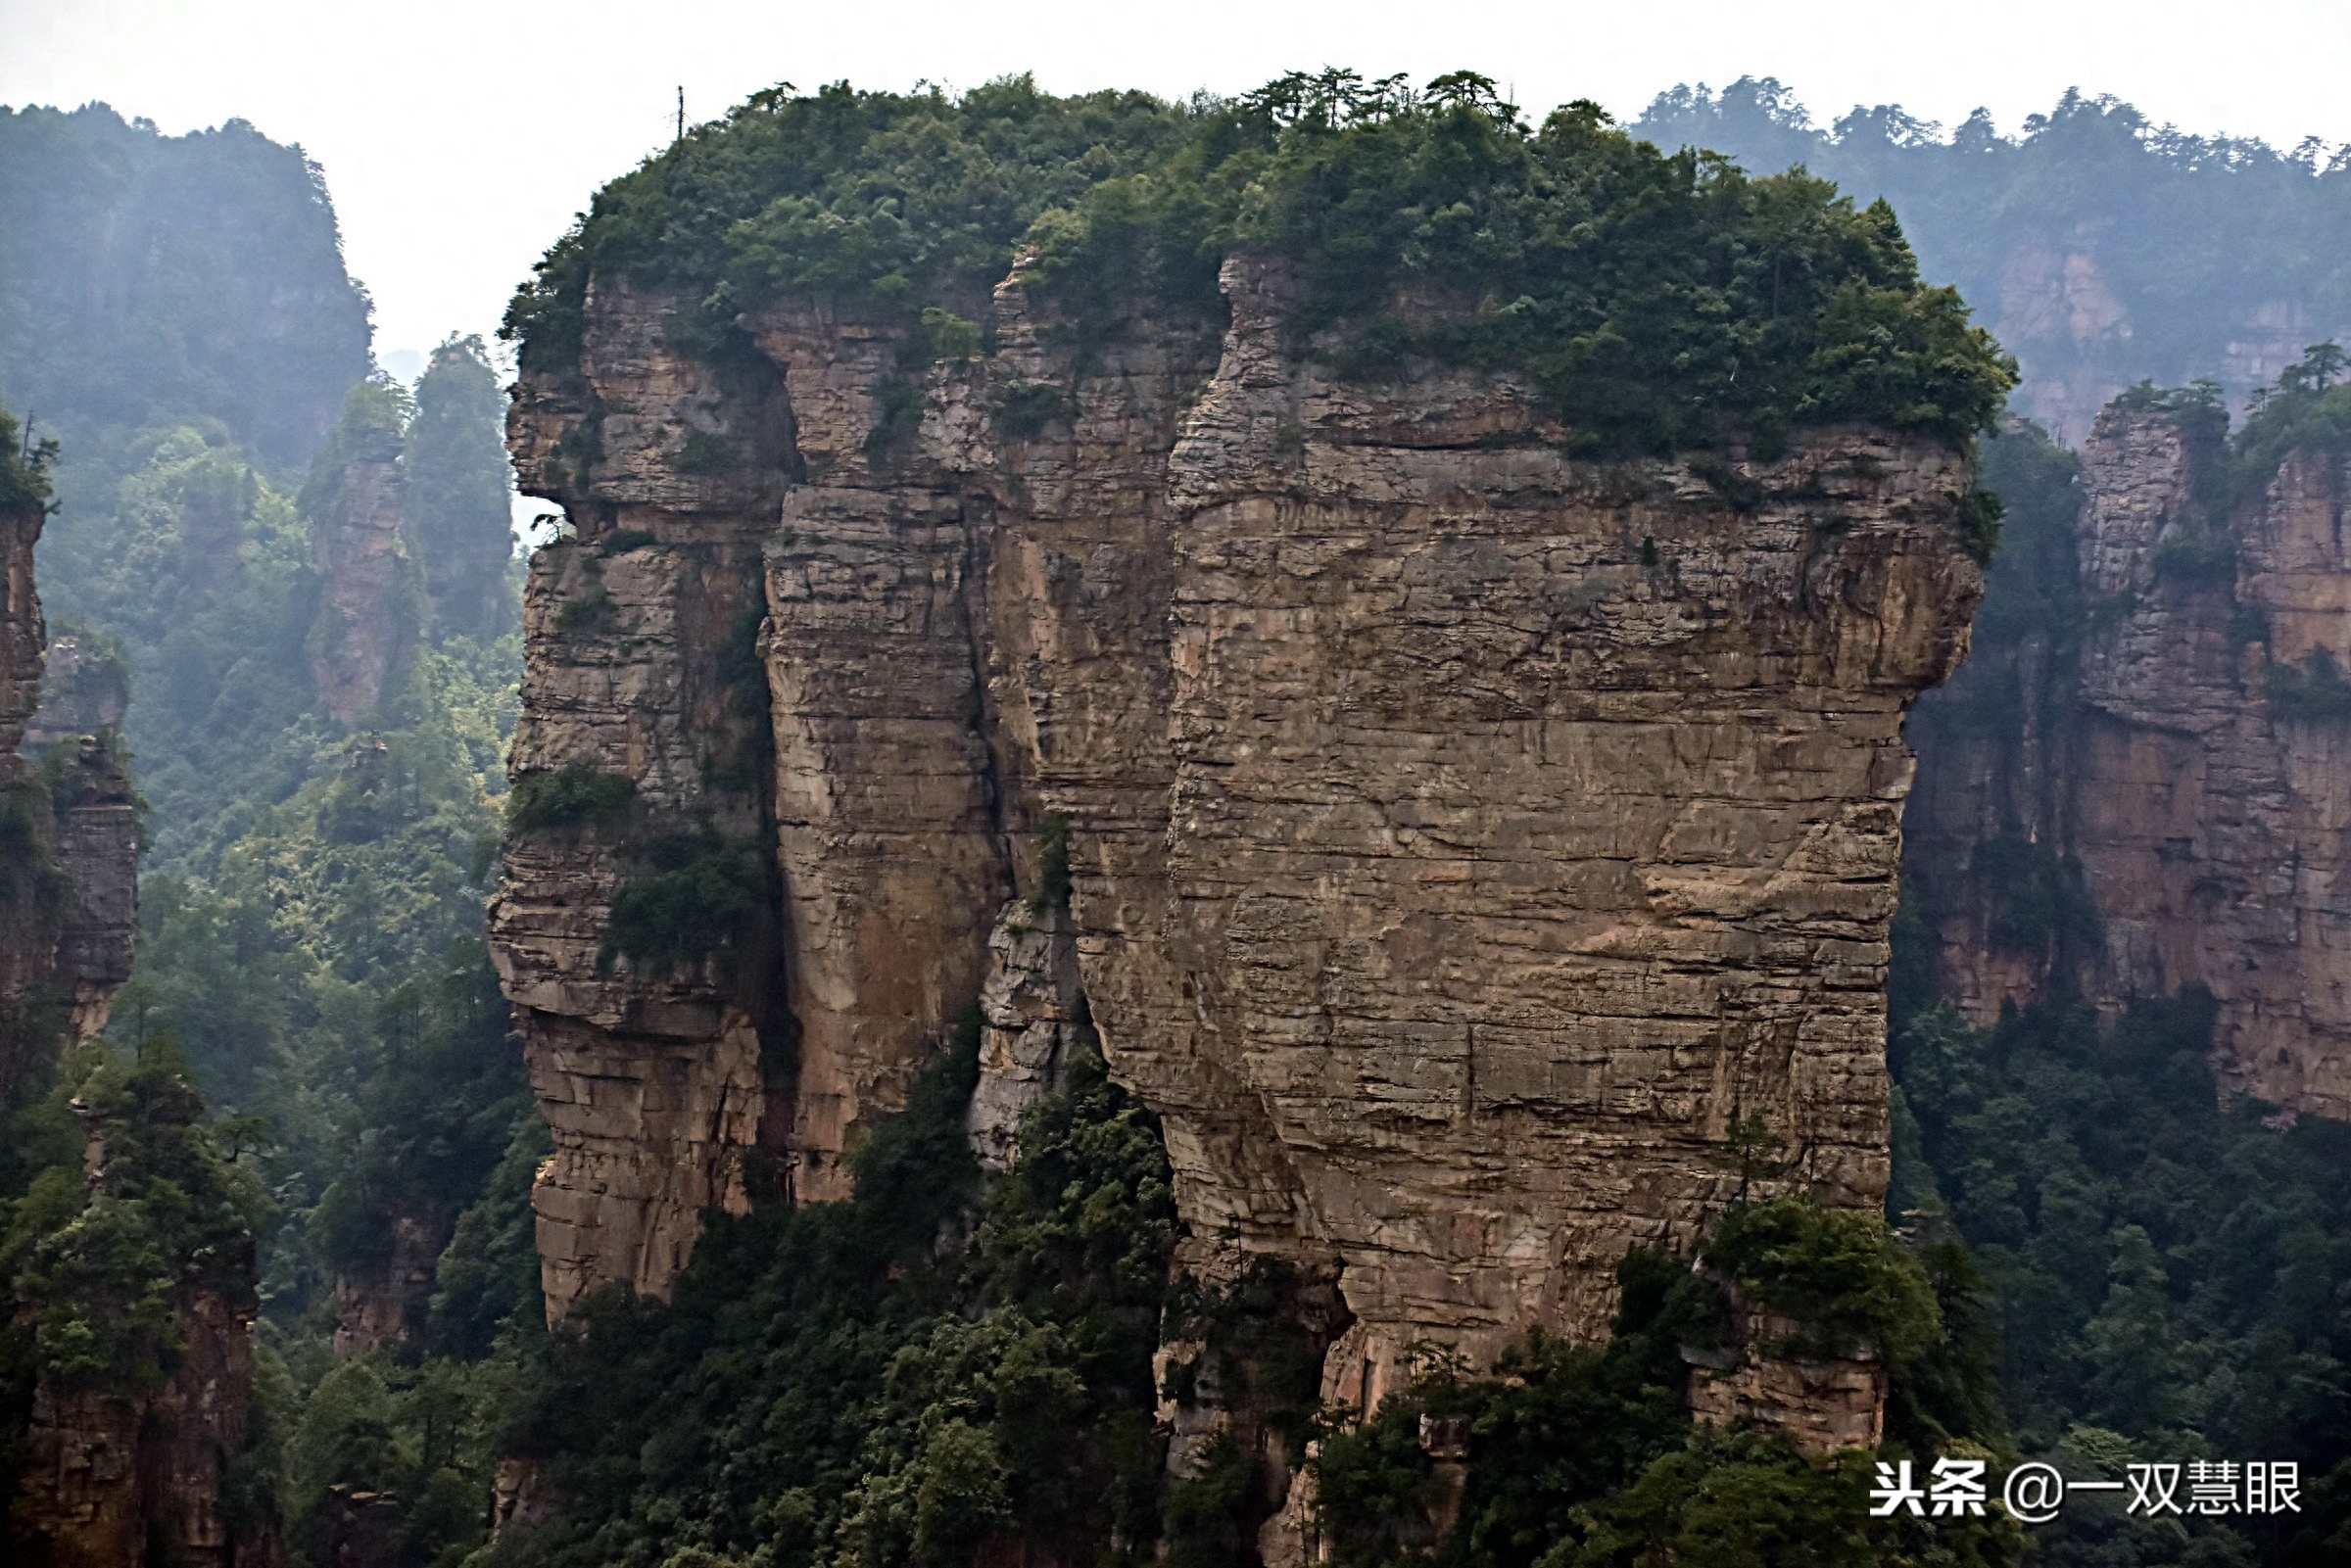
(1659, 300)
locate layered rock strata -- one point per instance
(2179, 767)
(69, 896)
(105, 1479)
(369, 611)
(1461, 836)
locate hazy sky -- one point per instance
(459, 136)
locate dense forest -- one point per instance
(2092, 1257)
(310, 954)
(2102, 249)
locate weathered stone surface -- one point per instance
(98, 853)
(1818, 1407)
(650, 1080)
(2204, 822)
(367, 617)
(83, 691)
(116, 1479)
(1032, 1021)
(379, 1305)
(1462, 836)
(22, 634)
(69, 902)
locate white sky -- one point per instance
(459, 138)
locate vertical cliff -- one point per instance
(2156, 799)
(125, 1443)
(367, 613)
(69, 889)
(1460, 835)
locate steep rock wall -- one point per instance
(368, 587)
(2158, 776)
(2074, 336)
(1461, 836)
(106, 1480)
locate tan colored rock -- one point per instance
(1462, 836)
(368, 618)
(377, 1306)
(651, 1081)
(98, 853)
(83, 691)
(23, 635)
(2207, 823)
(1818, 1407)
(1032, 1023)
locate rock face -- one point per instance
(2176, 780)
(368, 622)
(376, 1307)
(112, 1478)
(106, 1480)
(2079, 346)
(1461, 836)
(69, 894)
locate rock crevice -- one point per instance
(2168, 779)
(1461, 835)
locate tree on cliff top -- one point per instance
(2199, 244)
(24, 466)
(1661, 300)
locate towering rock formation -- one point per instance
(368, 618)
(108, 1477)
(69, 833)
(2156, 798)
(1460, 837)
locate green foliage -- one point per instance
(2164, 1265)
(2191, 237)
(1023, 408)
(23, 468)
(1849, 1284)
(155, 280)
(435, 1115)
(488, 1275)
(1586, 1455)
(1658, 301)
(2309, 407)
(593, 609)
(946, 336)
(889, 202)
(1052, 864)
(2195, 558)
(311, 900)
(2314, 693)
(576, 795)
(457, 517)
(927, 1370)
(898, 412)
(691, 905)
(102, 1262)
(375, 417)
(1734, 1500)
(705, 453)
(1979, 513)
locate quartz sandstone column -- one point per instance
(1463, 836)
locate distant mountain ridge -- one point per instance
(2100, 249)
(146, 278)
